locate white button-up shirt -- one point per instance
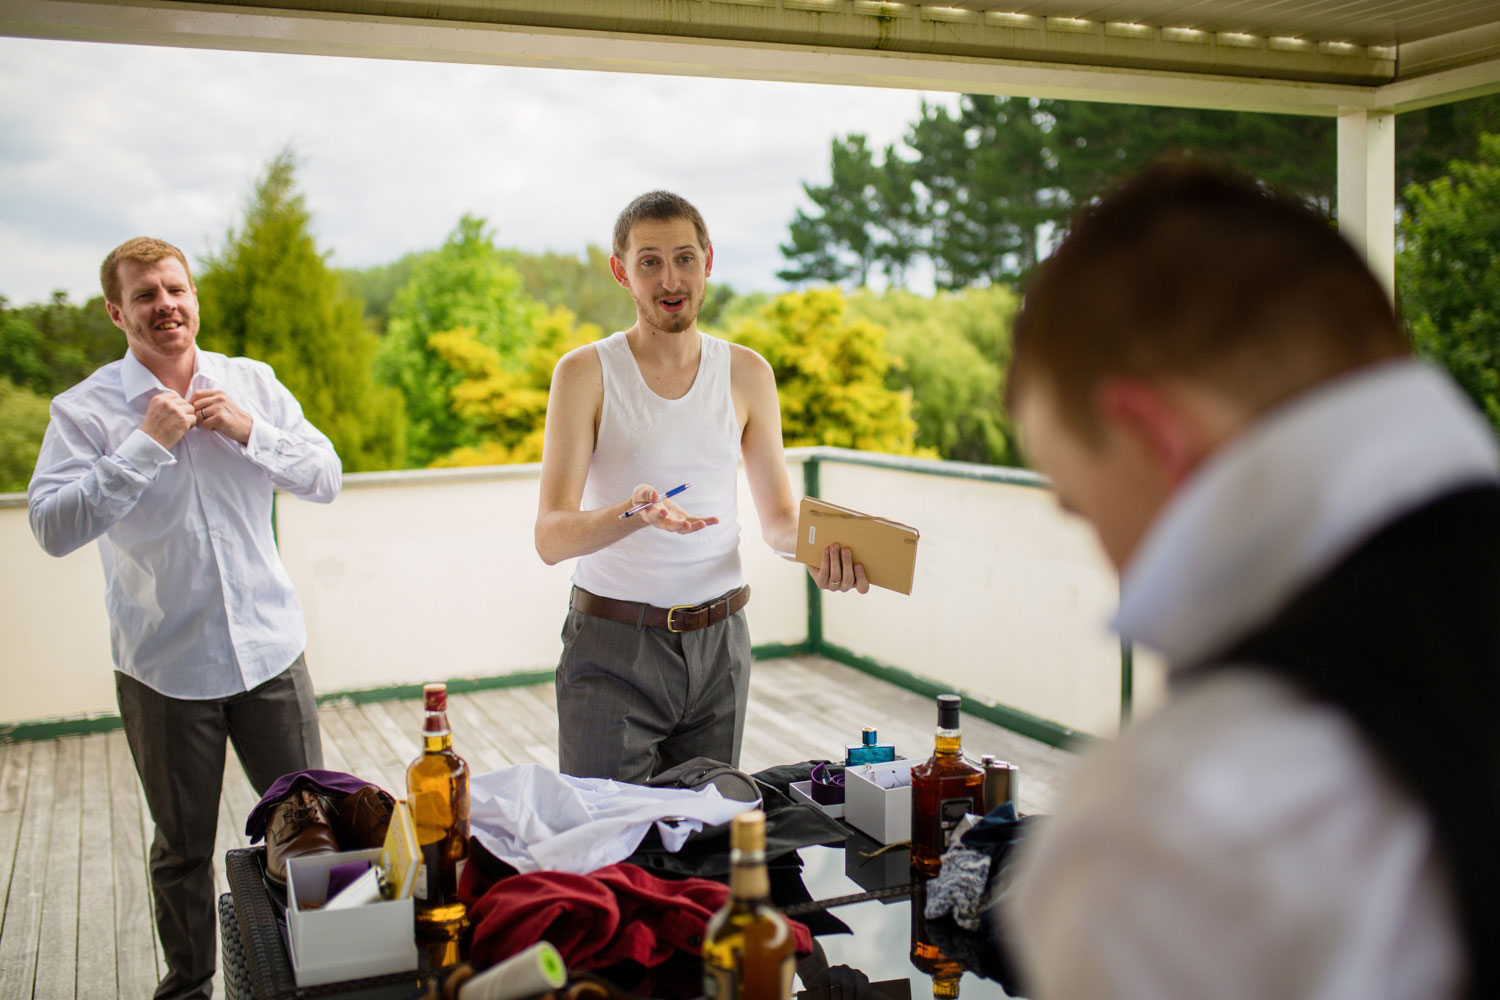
(199, 603)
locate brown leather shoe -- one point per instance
(361, 818)
(298, 827)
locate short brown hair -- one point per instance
(1190, 270)
(661, 206)
(141, 250)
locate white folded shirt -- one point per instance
(537, 820)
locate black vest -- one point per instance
(1404, 636)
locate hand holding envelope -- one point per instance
(887, 549)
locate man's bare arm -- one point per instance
(765, 469)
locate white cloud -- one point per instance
(104, 142)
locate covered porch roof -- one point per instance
(1321, 57)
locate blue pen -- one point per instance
(642, 506)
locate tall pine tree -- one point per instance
(269, 294)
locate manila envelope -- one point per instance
(886, 549)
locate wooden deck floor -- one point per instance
(76, 915)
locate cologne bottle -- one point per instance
(943, 788)
(868, 751)
(748, 948)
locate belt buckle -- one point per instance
(673, 609)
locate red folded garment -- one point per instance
(616, 914)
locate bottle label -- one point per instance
(419, 884)
(720, 984)
(951, 814)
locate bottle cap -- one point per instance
(747, 832)
(868, 735)
(948, 705)
(435, 697)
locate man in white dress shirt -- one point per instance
(1306, 521)
(168, 457)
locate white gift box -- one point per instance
(329, 946)
(877, 799)
(802, 792)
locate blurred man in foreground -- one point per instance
(1307, 526)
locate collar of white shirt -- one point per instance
(1291, 495)
(136, 379)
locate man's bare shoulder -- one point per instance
(747, 369)
(579, 371)
(579, 363)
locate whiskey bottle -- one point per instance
(748, 948)
(925, 955)
(943, 788)
(437, 785)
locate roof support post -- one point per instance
(1367, 188)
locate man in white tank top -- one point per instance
(656, 651)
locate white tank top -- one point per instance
(644, 438)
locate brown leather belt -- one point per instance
(681, 618)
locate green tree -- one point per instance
(989, 183)
(23, 420)
(954, 349)
(1096, 145)
(464, 284)
(1448, 273)
(582, 285)
(831, 373)
(50, 346)
(981, 191)
(839, 242)
(377, 286)
(269, 294)
(505, 406)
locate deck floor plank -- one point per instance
(335, 721)
(136, 955)
(15, 767)
(57, 975)
(800, 708)
(96, 890)
(477, 745)
(23, 903)
(384, 766)
(400, 745)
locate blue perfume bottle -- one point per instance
(868, 751)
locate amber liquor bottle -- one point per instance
(748, 948)
(437, 785)
(943, 788)
(925, 955)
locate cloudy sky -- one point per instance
(99, 143)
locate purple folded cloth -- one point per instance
(827, 786)
(322, 782)
(340, 877)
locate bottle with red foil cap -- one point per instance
(437, 786)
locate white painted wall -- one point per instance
(410, 577)
(1011, 600)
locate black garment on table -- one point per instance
(1404, 636)
(789, 825)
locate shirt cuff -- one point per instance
(264, 443)
(143, 454)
